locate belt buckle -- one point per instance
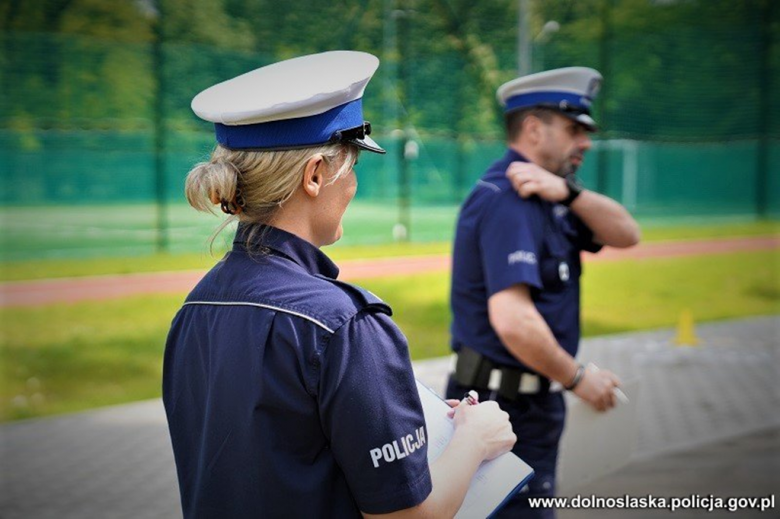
(495, 380)
(529, 384)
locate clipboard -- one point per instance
(596, 444)
(495, 481)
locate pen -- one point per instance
(471, 397)
(616, 390)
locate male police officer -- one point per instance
(516, 269)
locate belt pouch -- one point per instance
(472, 369)
(510, 383)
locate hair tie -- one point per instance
(228, 207)
(239, 198)
(236, 205)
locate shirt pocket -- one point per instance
(554, 267)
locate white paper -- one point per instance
(595, 444)
(493, 481)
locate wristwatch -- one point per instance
(577, 378)
(575, 188)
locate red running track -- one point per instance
(47, 291)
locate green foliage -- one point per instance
(675, 69)
(687, 105)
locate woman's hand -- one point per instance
(482, 432)
(487, 425)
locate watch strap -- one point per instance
(574, 190)
(577, 378)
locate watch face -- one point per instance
(574, 184)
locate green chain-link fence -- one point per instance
(96, 135)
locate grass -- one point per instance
(45, 269)
(653, 231)
(130, 230)
(58, 268)
(617, 297)
(646, 294)
(67, 357)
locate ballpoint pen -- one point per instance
(471, 397)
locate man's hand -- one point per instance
(610, 222)
(529, 179)
(597, 389)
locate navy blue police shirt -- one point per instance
(289, 393)
(502, 240)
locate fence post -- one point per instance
(405, 181)
(523, 38)
(160, 131)
(605, 66)
(762, 159)
(461, 127)
(390, 93)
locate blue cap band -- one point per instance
(291, 133)
(536, 98)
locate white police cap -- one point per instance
(297, 103)
(569, 90)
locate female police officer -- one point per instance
(289, 393)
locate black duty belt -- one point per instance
(475, 370)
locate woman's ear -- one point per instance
(314, 175)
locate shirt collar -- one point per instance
(513, 155)
(498, 170)
(288, 245)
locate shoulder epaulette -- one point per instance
(365, 298)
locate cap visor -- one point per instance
(369, 144)
(584, 119)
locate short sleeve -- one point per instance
(584, 236)
(372, 415)
(510, 238)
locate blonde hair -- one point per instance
(258, 183)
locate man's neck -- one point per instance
(525, 150)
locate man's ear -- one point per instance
(532, 126)
(314, 175)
